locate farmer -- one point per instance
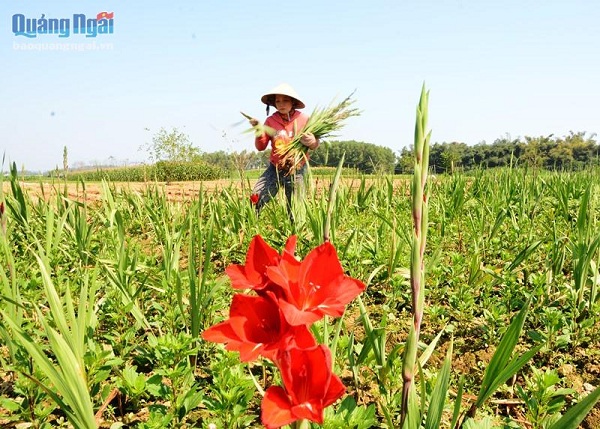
(280, 129)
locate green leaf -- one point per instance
(576, 414)
(523, 254)
(440, 391)
(413, 416)
(429, 349)
(512, 368)
(501, 365)
(458, 401)
(67, 377)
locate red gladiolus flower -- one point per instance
(314, 287)
(257, 327)
(254, 198)
(260, 256)
(275, 324)
(309, 387)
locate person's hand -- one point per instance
(308, 140)
(253, 122)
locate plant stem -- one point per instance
(302, 424)
(417, 267)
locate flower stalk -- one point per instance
(302, 424)
(420, 207)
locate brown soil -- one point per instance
(592, 421)
(175, 191)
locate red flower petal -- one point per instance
(256, 327)
(238, 277)
(314, 287)
(306, 373)
(335, 391)
(224, 333)
(255, 319)
(276, 409)
(290, 246)
(322, 262)
(261, 254)
(295, 316)
(309, 382)
(309, 411)
(248, 351)
(220, 333)
(253, 274)
(334, 296)
(302, 338)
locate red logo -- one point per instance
(105, 15)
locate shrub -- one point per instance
(163, 171)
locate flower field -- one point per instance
(138, 310)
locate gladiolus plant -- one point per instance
(290, 295)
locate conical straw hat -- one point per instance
(282, 89)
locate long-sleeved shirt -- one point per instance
(284, 132)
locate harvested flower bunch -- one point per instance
(322, 123)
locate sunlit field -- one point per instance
(454, 301)
(103, 302)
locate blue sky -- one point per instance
(516, 67)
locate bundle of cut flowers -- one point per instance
(322, 123)
(274, 323)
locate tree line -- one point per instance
(571, 152)
(575, 151)
(364, 157)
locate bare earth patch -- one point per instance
(175, 191)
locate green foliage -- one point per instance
(230, 393)
(163, 171)
(496, 239)
(68, 337)
(174, 146)
(543, 400)
(184, 171)
(365, 157)
(236, 161)
(503, 366)
(574, 151)
(575, 415)
(349, 415)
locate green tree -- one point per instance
(236, 161)
(561, 155)
(535, 153)
(219, 158)
(452, 156)
(584, 149)
(405, 163)
(171, 145)
(365, 157)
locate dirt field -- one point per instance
(175, 191)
